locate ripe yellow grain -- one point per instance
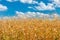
(30, 29)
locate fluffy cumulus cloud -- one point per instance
(57, 2)
(48, 7)
(3, 8)
(43, 6)
(29, 1)
(22, 15)
(24, 1)
(28, 15)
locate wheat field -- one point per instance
(30, 29)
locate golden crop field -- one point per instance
(30, 29)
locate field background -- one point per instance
(30, 29)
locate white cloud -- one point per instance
(30, 14)
(11, 0)
(25, 1)
(26, 15)
(21, 15)
(57, 2)
(55, 15)
(48, 7)
(36, 15)
(43, 6)
(29, 1)
(3, 8)
(34, 2)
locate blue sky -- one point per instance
(11, 7)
